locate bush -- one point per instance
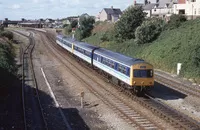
(7, 34)
(175, 21)
(148, 31)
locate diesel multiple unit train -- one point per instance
(132, 73)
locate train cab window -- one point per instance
(143, 73)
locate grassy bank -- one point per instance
(180, 45)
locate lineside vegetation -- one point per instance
(8, 67)
(163, 44)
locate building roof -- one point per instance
(163, 3)
(113, 11)
(149, 6)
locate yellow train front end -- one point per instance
(142, 77)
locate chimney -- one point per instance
(111, 7)
(135, 2)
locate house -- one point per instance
(163, 8)
(190, 8)
(109, 14)
(148, 8)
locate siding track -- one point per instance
(32, 108)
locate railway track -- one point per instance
(178, 86)
(127, 112)
(176, 119)
(32, 108)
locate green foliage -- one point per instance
(148, 31)
(179, 45)
(74, 24)
(79, 34)
(129, 21)
(85, 28)
(68, 29)
(7, 58)
(7, 34)
(1, 28)
(8, 68)
(175, 21)
(65, 25)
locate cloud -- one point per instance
(35, 1)
(33, 9)
(15, 6)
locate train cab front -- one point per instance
(142, 77)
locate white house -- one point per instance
(164, 8)
(109, 14)
(190, 8)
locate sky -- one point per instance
(35, 9)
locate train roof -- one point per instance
(60, 36)
(81, 44)
(85, 45)
(118, 57)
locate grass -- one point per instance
(180, 45)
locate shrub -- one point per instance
(175, 21)
(148, 31)
(7, 34)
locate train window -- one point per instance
(99, 58)
(103, 60)
(122, 69)
(87, 53)
(112, 64)
(143, 73)
(94, 56)
(128, 71)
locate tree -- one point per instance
(85, 28)
(74, 24)
(130, 20)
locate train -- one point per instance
(131, 73)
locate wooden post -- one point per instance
(82, 99)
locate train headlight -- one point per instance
(134, 82)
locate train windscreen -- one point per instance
(143, 73)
